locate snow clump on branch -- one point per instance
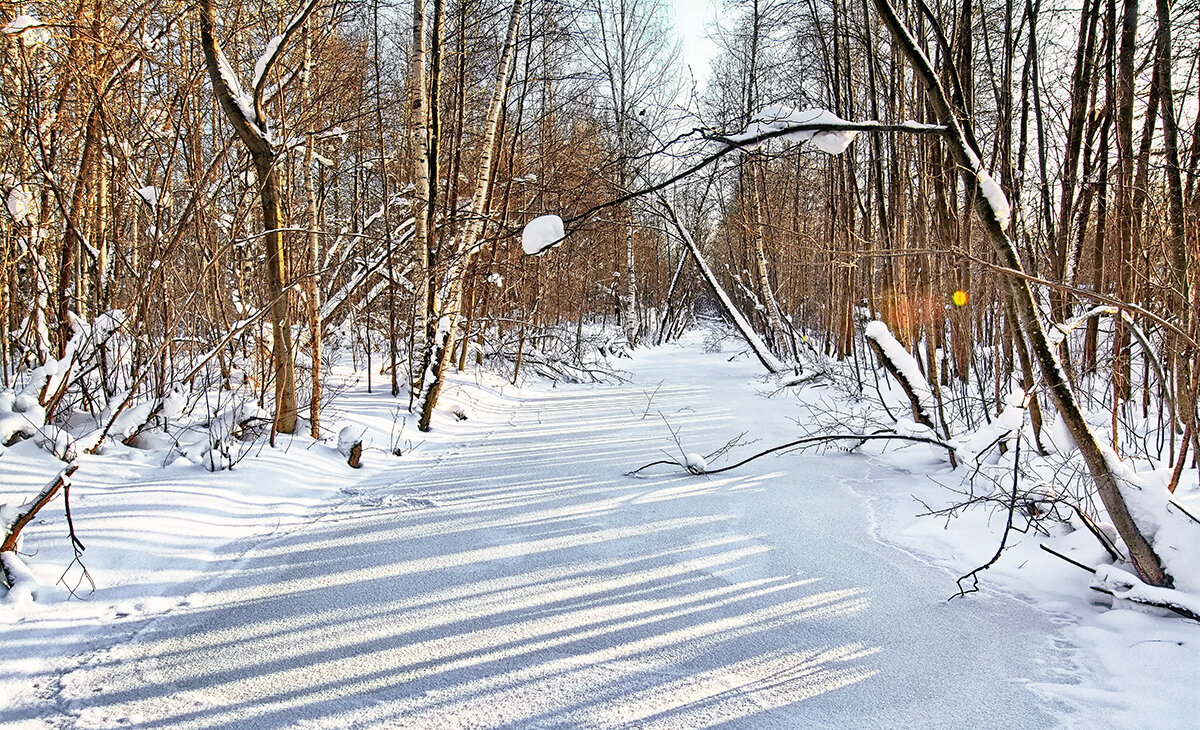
(775, 119)
(541, 234)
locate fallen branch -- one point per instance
(1105, 541)
(809, 441)
(1126, 587)
(1008, 528)
(1072, 561)
(76, 546)
(29, 510)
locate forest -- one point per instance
(207, 205)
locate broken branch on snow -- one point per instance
(800, 443)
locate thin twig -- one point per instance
(1008, 528)
(1072, 561)
(1107, 542)
(1184, 510)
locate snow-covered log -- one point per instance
(13, 521)
(903, 367)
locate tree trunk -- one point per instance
(250, 124)
(961, 141)
(441, 356)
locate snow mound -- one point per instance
(348, 438)
(695, 463)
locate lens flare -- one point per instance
(959, 298)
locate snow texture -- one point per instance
(541, 234)
(506, 573)
(241, 97)
(22, 23)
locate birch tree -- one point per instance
(448, 295)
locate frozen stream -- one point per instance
(526, 581)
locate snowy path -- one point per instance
(527, 582)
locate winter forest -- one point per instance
(271, 268)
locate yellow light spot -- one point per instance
(959, 298)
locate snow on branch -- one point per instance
(1124, 586)
(764, 354)
(795, 126)
(31, 30)
(14, 572)
(903, 366)
(541, 234)
(831, 130)
(270, 55)
(339, 299)
(820, 127)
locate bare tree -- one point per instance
(245, 110)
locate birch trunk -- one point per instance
(442, 351)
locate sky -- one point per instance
(692, 18)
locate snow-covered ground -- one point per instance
(506, 571)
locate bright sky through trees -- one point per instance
(692, 18)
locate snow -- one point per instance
(21, 23)
(242, 98)
(22, 205)
(505, 572)
(541, 234)
(1125, 586)
(764, 354)
(260, 66)
(1003, 429)
(32, 30)
(24, 586)
(995, 198)
(904, 362)
(152, 196)
(778, 118)
(348, 438)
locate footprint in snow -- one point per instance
(397, 502)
